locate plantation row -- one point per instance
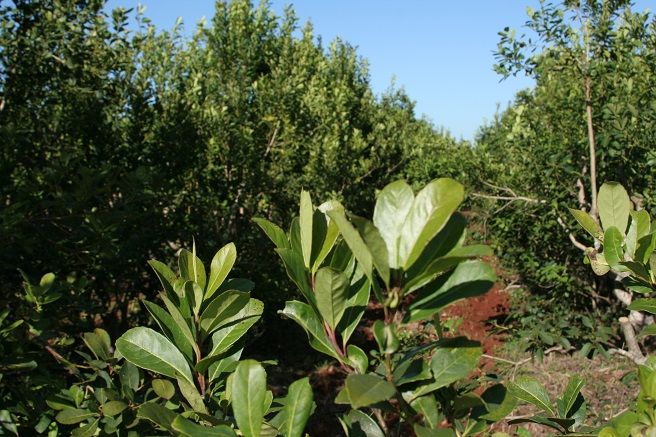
(121, 143)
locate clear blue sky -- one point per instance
(441, 52)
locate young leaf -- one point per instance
(358, 424)
(163, 388)
(166, 277)
(171, 329)
(297, 273)
(357, 358)
(191, 394)
(614, 206)
(187, 428)
(572, 391)
(330, 291)
(71, 416)
(354, 241)
(392, 207)
(376, 245)
(248, 390)
(222, 263)
(648, 305)
(150, 350)
(181, 322)
(157, 414)
(529, 390)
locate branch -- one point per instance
(571, 236)
(509, 198)
(634, 351)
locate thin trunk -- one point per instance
(592, 146)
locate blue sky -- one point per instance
(440, 52)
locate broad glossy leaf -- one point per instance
(163, 388)
(194, 296)
(468, 279)
(222, 308)
(354, 241)
(181, 321)
(171, 329)
(453, 360)
(571, 393)
(530, 390)
(87, 430)
(588, 223)
(639, 227)
(427, 407)
(637, 269)
(99, 343)
(305, 316)
(166, 277)
(187, 428)
(647, 330)
(648, 305)
(392, 207)
(614, 206)
(248, 391)
(191, 394)
(357, 358)
(376, 245)
(297, 273)
(598, 263)
(71, 416)
(411, 371)
(358, 424)
(157, 414)
(274, 232)
(645, 249)
(355, 307)
(319, 233)
(422, 431)
(556, 423)
(297, 408)
(330, 287)
(225, 365)
(637, 285)
(150, 350)
(613, 252)
(191, 267)
(306, 213)
(498, 403)
(332, 232)
(367, 389)
(221, 265)
(112, 408)
(430, 211)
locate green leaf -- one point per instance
(163, 388)
(86, 430)
(157, 414)
(376, 246)
(297, 273)
(305, 316)
(613, 252)
(639, 227)
(430, 211)
(614, 206)
(221, 265)
(171, 329)
(191, 394)
(354, 241)
(428, 408)
(571, 393)
(330, 290)
(248, 391)
(99, 343)
(180, 322)
(358, 358)
(150, 350)
(228, 363)
(648, 305)
(273, 231)
(422, 431)
(71, 416)
(166, 277)
(498, 403)
(529, 390)
(358, 424)
(112, 408)
(598, 263)
(222, 308)
(637, 285)
(355, 307)
(588, 223)
(647, 330)
(645, 249)
(556, 423)
(468, 279)
(191, 267)
(331, 234)
(187, 428)
(453, 360)
(392, 207)
(297, 408)
(306, 213)
(368, 389)
(194, 296)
